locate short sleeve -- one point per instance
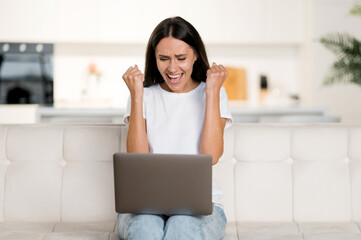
(127, 111)
(224, 107)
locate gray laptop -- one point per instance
(163, 183)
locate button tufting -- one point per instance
(289, 160)
(62, 163)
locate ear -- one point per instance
(195, 56)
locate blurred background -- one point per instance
(62, 60)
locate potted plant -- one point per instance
(347, 67)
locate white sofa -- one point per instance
(280, 181)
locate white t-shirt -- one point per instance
(175, 121)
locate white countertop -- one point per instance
(115, 115)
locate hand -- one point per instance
(216, 76)
(134, 79)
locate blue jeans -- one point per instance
(183, 227)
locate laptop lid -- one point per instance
(163, 183)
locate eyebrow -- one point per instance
(165, 56)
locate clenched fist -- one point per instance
(134, 79)
(216, 76)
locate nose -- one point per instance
(172, 66)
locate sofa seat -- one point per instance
(298, 231)
(239, 231)
(60, 230)
(293, 231)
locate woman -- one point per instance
(177, 106)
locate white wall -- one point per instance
(330, 16)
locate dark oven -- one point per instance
(26, 73)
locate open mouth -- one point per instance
(175, 79)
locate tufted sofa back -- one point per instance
(305, 172)
(52, 173)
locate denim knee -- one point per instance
(183, 227)
(140, 227)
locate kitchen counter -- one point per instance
(79, 115)
(18, 113)
(115, 115)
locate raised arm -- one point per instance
(213, 128)
(137, 141)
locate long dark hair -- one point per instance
(178, 28)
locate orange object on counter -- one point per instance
(92, 68)
(235, 84)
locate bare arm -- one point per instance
(137, 141)
(213, 127)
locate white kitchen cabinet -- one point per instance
(284, 21)
(29, 21)
(16, 114)
(77, 21)
(242, 21)
(120, 21)
(248, 22)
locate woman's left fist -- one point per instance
(216, 76)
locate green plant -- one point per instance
(347, 68)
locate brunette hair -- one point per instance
(178, 28)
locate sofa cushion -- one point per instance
(27, 227)
(258, 143)
(83, 197)
(231, 231)
(86, 226)
(354, 143)
(86, 235)
(3, 167)
(82, 143)
(263, 191)
(319, 143)
(269, 236)
(355, 157)
(268, 231)
(34, 144)
(267, 227)
(3, 131)
(33, 192)
(322, 191)
(21, 236)
(328, 227)
(33, 173)
(223, 174)
(3, 164)
(332, 236)
(321, 174)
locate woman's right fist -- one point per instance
(134, 79)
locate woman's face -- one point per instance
(175, 60)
